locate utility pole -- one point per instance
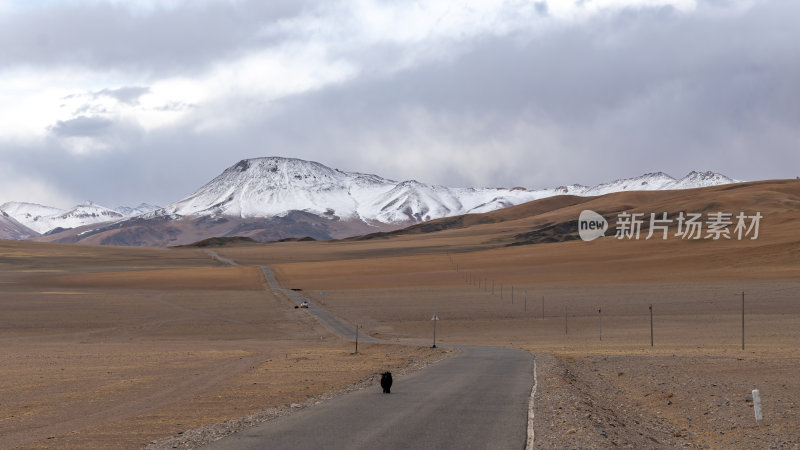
(742, 320)
(435, 319)
(600, 312)
(357, 327)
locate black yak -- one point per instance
(386, 382)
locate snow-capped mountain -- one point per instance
(274, 197)
(266, 187)
(131, 211)
(43, 219)
(647, 182)
(274, 186)
(700, 179)
(31, 214)
(658, 181)
(84, 214)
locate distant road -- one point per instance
(221, 259)
(477, 399)
(333, 324)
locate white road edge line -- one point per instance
(529, 444)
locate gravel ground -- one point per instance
(572, 413)
(604, 401)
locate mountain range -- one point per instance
(47, 219)
(274, 198)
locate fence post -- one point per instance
(651, 325)
(600, 312)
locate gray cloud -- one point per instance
(616, 96)
(120, 36)
(621, 95)
(81, 126)
(129, 95)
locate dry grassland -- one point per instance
(113, 348)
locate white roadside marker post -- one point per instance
(757, 405)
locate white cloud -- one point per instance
(320, 47)
(15, 186)
(575, 10)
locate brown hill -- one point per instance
(539, 242)
(11, 229)
(168, 231)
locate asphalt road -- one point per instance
(477, 399)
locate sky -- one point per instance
(124, 101)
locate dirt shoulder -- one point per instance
(666, 400)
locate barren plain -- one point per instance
(109, 346)
(115, 347)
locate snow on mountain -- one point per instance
(647, 182)
(412, 201)
(274, 186)
(43, 219)
(32, 215)
(701, 179)
(266, 187)
(131, 211)
(84, 214)
(12, 229)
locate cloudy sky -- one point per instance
(123, 101)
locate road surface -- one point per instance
(345, 331)
(475, 400)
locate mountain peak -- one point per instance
(142, 208)
(700, 179)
